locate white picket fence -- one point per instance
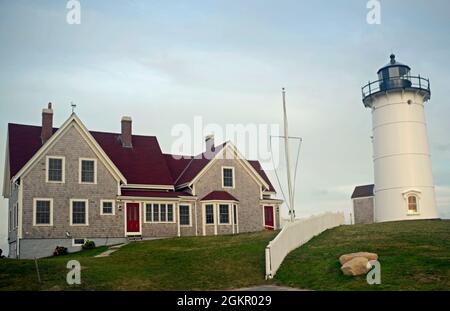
(294, 235)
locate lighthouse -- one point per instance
(404, 186)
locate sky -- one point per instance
(165, 62)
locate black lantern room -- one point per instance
(395, 76)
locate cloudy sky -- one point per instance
(165, 62)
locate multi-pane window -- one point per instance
(43, 212)
(148, 212)
(163, 211)
(185, 219)
(155, 212)
(224, 214)
(209, 214)
(79, 213)
(55, 169)
(88, 171)
(170, 212)
(228, 177)
(107, 207)
(412, 204)
(158, 212)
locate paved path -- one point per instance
(111, 250)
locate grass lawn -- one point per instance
(201, 263)
(414, 255)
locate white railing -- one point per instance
(294, 235)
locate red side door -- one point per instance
(133, 217)
(268, 216)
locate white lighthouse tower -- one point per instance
(404, 186)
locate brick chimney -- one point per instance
(209, 140)
(126, 132)
(47, 123)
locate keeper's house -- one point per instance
(70, 184)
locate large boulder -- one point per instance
(356, 266)
(347, 257)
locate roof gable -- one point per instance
(21, 143)
(202, 162)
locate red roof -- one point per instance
(143, 164)
(195, 165)
(24, 142)
(153, 194)
(219, 196)
(258, 168)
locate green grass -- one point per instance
(414, 255)
(195, 263)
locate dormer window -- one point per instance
(88, 171)
(228, 177)
(55, 169)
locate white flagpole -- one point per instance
(288, 160)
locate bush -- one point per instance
(60, 250)
(88, 245)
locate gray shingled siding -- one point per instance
(246, 190)
(72, 146)
(39, 241)
(363, 210)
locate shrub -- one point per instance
(60, 250)
(88, 245)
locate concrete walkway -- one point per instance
(111, 250)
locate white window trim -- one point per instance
(71, 212)
(113, 207)
(80, 161)
(234, 177)
(174, 214)
(34, 212)
(229, 214)
(75, 245)
(190, 214)
(47, 161)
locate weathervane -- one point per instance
(73, 107)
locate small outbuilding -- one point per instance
(363, 204)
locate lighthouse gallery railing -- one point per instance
(395, 83)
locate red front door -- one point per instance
(133, 217)
(268, 216)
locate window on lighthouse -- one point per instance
(412, 204)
